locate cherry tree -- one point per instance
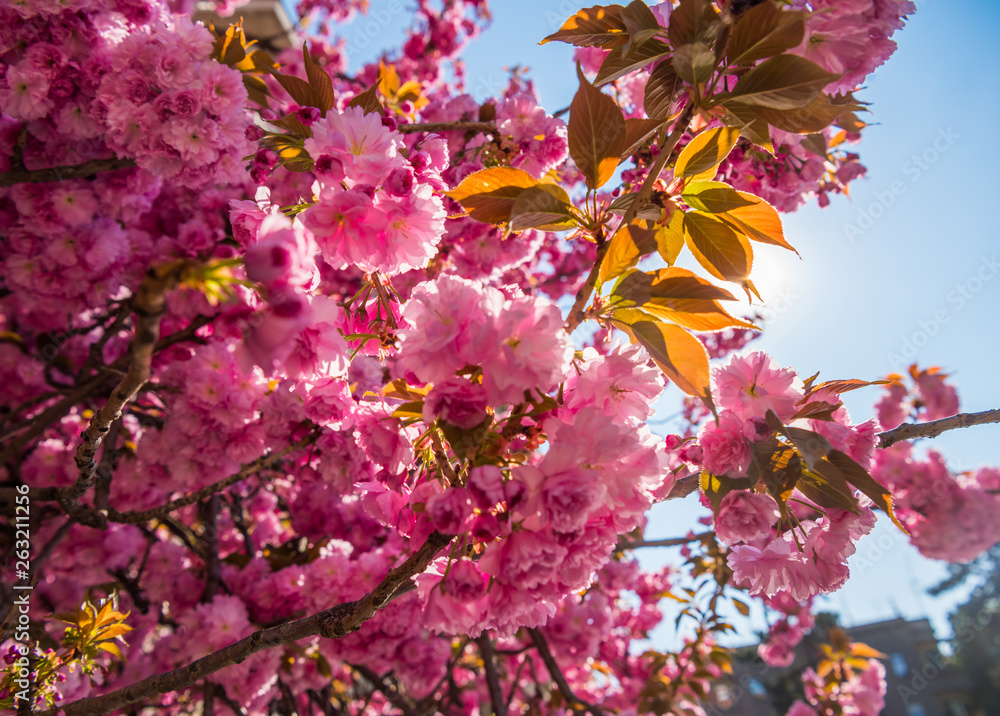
(328, 393)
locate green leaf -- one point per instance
(596, 133)
(617, 63)
(764, 31)
(680, 356)
(546, 207)
(724, 253)
(488, 195)
(597, 26)
(813, 447)
(713, 196)
(368, 100)
(661, 88)
(694, 63)
(783, 82)
(693, 21)
(319, 80)
(705, 151)
(629, 244)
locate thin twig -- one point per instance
(76, 171)
(497, 703)
(258, 465)
(556, 673)
(149, 305)
(331, 623)
(912, 431)
(674, 542)
(390, 692)
(213, 565)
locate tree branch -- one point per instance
(76, 171)
(149, 304)
(674, 542)
(556, 673)
(390, 692)
(497, 703)
(576, 314)
(258, 465)
(912, 431)
(332, 623)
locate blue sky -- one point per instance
(904, 270)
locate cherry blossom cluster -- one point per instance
(772, 555)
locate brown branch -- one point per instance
(484, 127)
(258, 465)
(577, 314)
(76, 171)
(332, 623)
(497, 703)
(40, 422)
(912, 431)
(684, 486)
(673, 542)
(556, 673)
(213, 565)
(390, 692)
(148, 304)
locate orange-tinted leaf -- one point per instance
(670, 237)
(596, 133)
(866, 652)
(546, 207)
(600, 25)
(680, 356)
(669, 283)
(705, 151)
(759, 221)
(715, 197)
(724, 253)
(488, 195)
(764, 31)
(627, 246)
